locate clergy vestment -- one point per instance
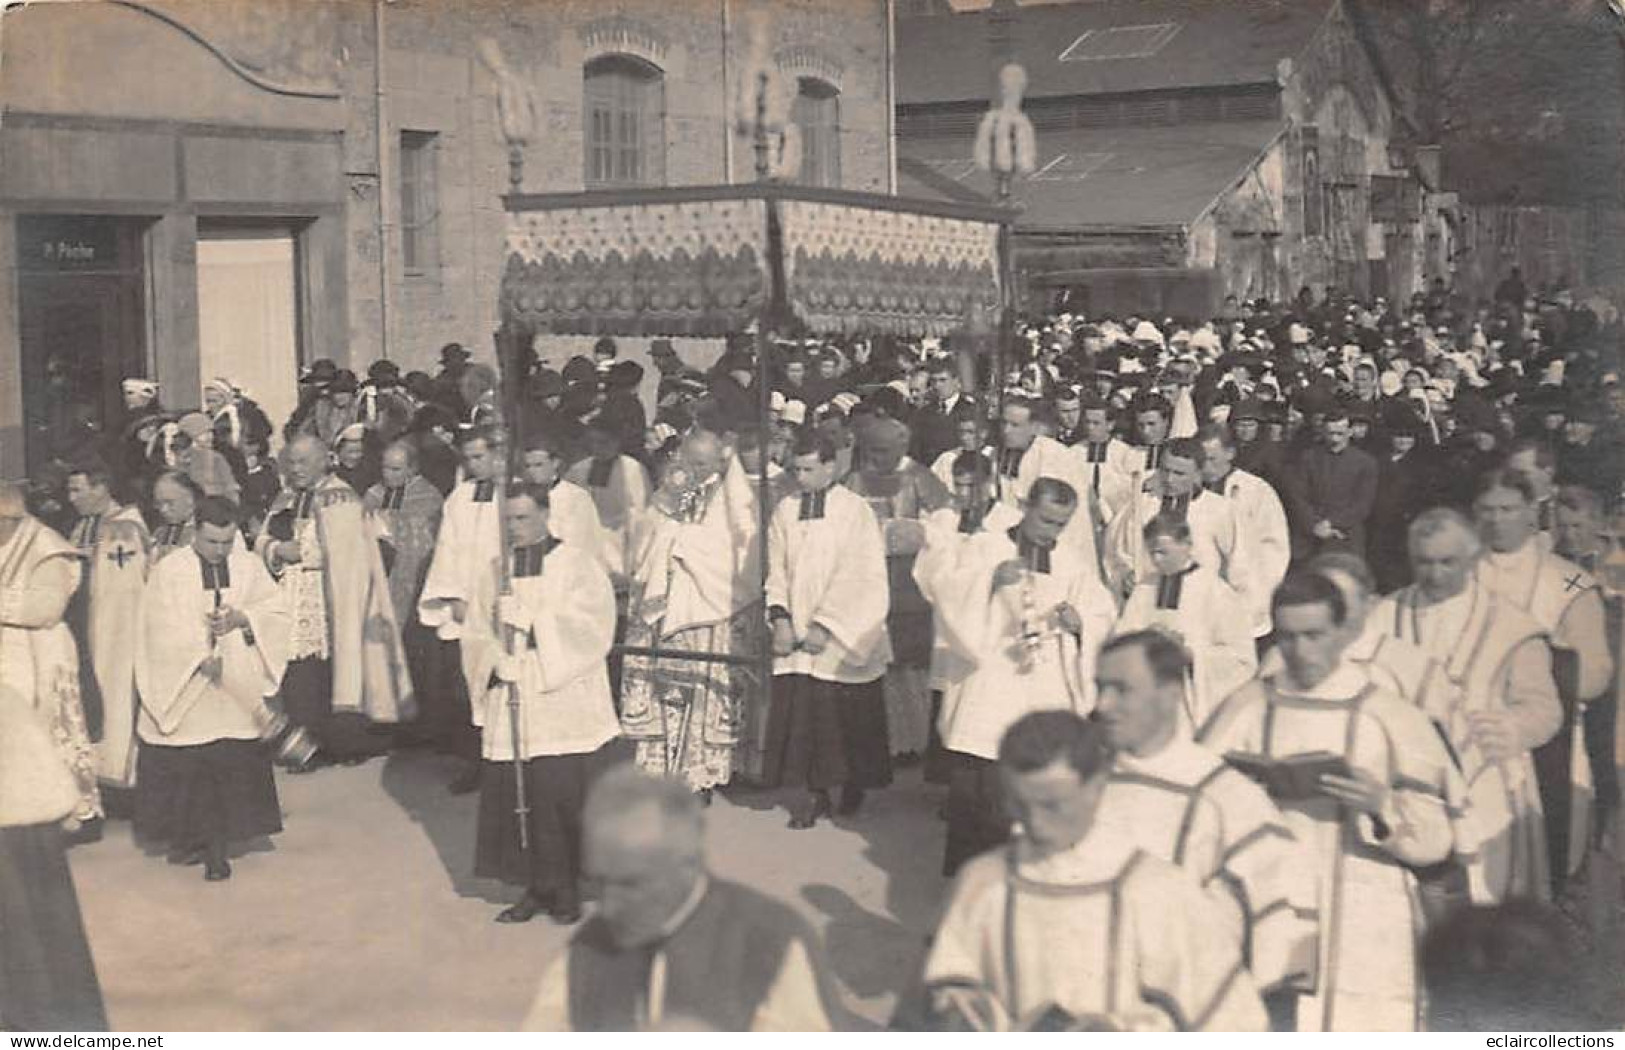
(470, 536)
(1017, 469)
(943, 466)
(730, 960)
(1493, 657)
(1202, 611)
(948, 532)
(619, 489)
(1111, 936)
(695, 574)
(204, 776)
(1367, 973)
(346, 666)
(1187, 806)
(1008, 657)
(168, 537)
(39, 575)
(827, 566)
(1215, 542)
(47, 976)
(900, 502)
(1263, 538)
(562, 615)
(1111, 468)
(1566, 601)
(114, 547)
(408, 521)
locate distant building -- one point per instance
(199, 187)
(1189, 150)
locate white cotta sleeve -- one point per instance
(44, 597)
(574, 635)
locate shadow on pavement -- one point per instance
(416, 780)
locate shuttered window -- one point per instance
(817, 112)
(625, 123)
(420, 203)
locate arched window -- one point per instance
(817, 112)
(625, 122)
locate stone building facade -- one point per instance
(1188, 151)
(201, 187)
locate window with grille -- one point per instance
(420, 204)
(625, 123)
(817, 112)
(1120, 42)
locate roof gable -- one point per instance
(1103, 46)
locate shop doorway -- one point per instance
(81, 318)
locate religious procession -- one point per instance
(815, 608)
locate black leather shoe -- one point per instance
(851, 800)
(524, 910)
(217, 871)
(807, 814)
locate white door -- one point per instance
(248, 315)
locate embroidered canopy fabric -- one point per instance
(699, 261)
(850, 268)
(659, 268)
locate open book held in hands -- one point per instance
(1291, 777)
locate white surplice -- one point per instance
(831, 571)
(180, 706)
(993, 677)
(563, 620)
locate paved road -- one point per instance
(364, 914)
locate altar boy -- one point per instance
(211, 645)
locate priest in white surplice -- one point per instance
(1027, 454)
(827, 599)
(543, 648)
(1073, 927)
(212, 643)
(1021, 613)
(1176, 489)
(1262, 532)
(1189, 599)
(1502, 705)
(1519, 566)
(976, 509)
(1363, 833)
